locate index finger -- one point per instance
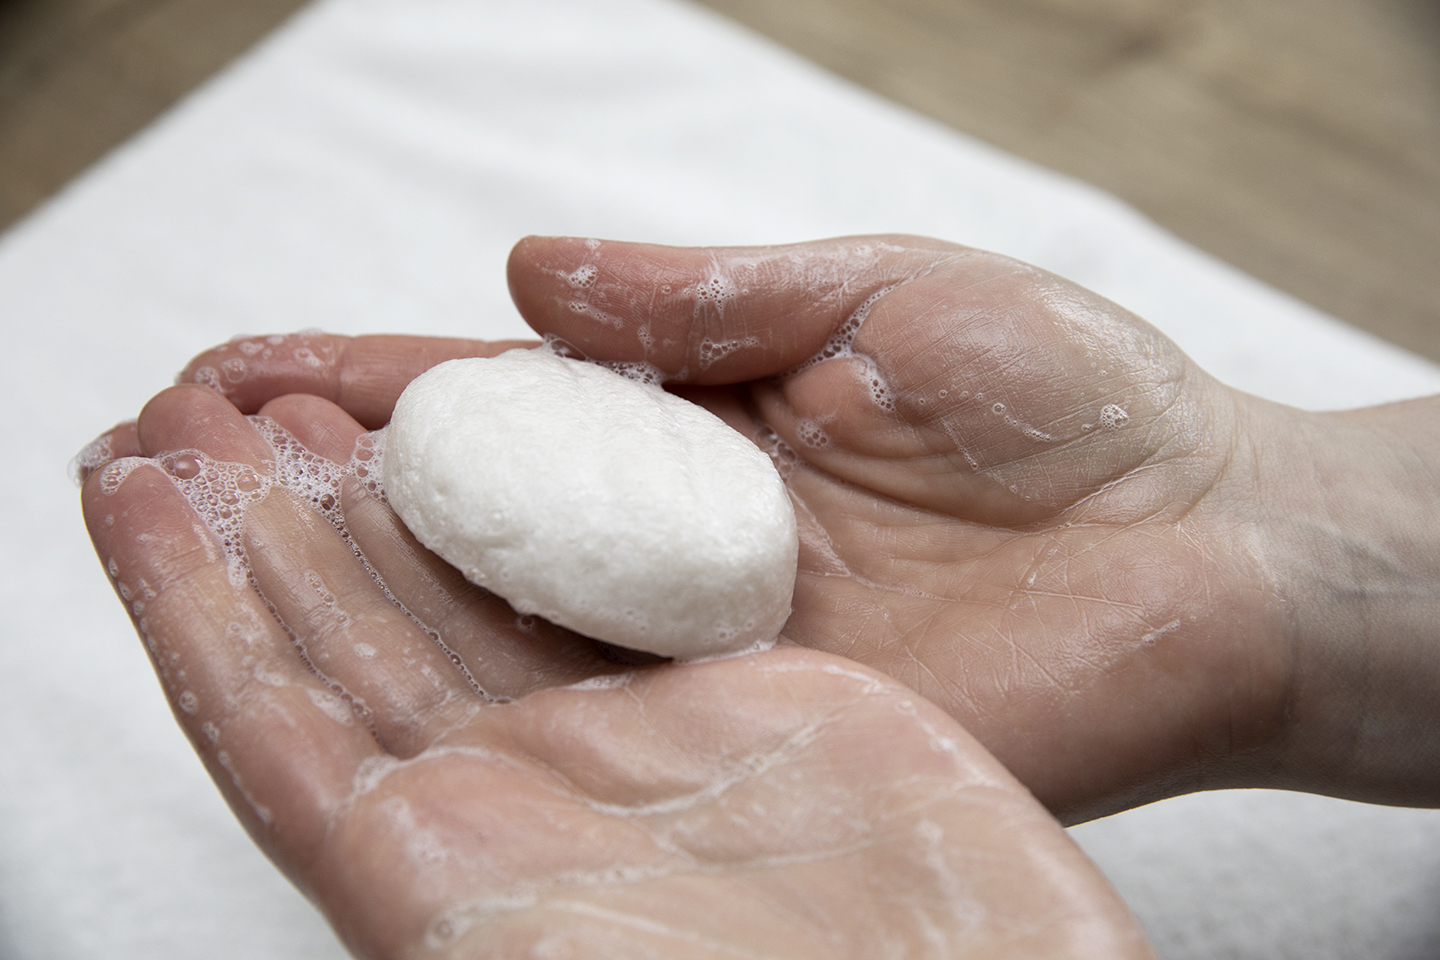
(279, 744)
(362, 375)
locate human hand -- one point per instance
(1124, 578)
(785, 804)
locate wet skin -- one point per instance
(1017, 500)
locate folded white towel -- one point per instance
(366, 170)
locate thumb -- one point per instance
(709, 315)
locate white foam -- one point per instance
(639, 371)
(811, 433)
(713, 351)
(842, 342)
(1113, 415)
(605, 681)
(113, 474)
(582, 276)
(781, 454)
(715, 291)
(97, 453)
(221, 493)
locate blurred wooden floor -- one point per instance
(1297, 139)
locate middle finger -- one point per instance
(346, 628)
(508, 654)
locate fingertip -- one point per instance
(555, 279)
(530, 246)
(248, 371)
(118, 442)
(171, 404)
(539, 249)
(113, 500)
(190, 416)
(625, 302)
(707, 315)
(530, 259)
(203, 368)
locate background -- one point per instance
(1297, 139)
(366, 167)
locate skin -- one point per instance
(1024, 512)
(786, 804)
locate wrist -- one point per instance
(1347, 513)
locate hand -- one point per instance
(1124, 578)
(786, 804)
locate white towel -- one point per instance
(367, 170)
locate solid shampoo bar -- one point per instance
(603, 504)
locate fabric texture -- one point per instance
(367, 170)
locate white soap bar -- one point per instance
(600, 503)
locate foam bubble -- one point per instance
(842, 341)
(879, 388)
(1153, 636)
(582, 276)
(115, 472)
(1113, 415)
(716, 290)
(712, 351)
(219, 492)
(310, 476)
(559, 347)
(222, 492)
(208, 376)
(96, 453)
(812, 434)
(780, 453)
(637, 370)
(586, 309)
(842, 344)
(365, 463)
(1034, 433)
(606, 681)
(336, 708)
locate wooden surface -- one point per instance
(1297, 139)
(78, 77)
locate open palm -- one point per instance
(1014, 496)
(785, 804)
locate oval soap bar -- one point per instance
(600, 503)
